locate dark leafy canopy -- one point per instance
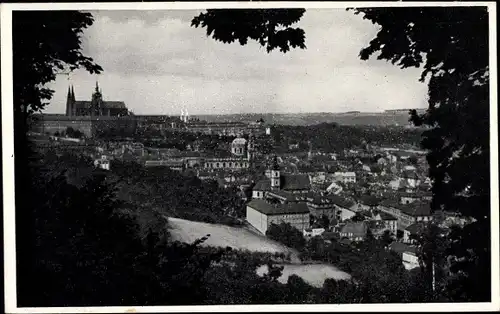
(46, 43)
(286, 234)
(271, 28)
(451, 44)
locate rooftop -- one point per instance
(358, 229)
(369, 200)
(415, 228)
(278, 209)
(289, 197)
(401, 248)
(340, 201)
(295, 182)
(386, 216)
(416, 209)
(104, 104)
(263, 185)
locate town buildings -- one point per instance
(408, 254)
(407, 214)
(261, 214)
(91, 118)
(345, 177)
(354, 231)
(97, 106)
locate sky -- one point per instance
(157, 63)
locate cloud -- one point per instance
(157, 63)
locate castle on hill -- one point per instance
(91, 118)
(95, 107)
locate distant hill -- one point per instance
(388, 118)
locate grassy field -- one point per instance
(222, 236)
(243, 239)
(313, 274)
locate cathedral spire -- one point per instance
(68, 102)
(73, 93)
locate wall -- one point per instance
(321, 210)
(52, 126)
(298, 221)
(257, 219)
(89, 126)
(410, 261)
(345, 213)
(226, 164)
(258, 194)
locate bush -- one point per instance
(287, 235)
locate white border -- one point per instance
(8, 160)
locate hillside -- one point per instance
(352, 118)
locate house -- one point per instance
(260, 188)
(411, 178)
(177, 165)
(354, 231)
(282, 196)
(408, 254)
(409, 168)
(345, 177)
(261, 214)
(368, 202)
(411, 231)
(407, 214)
(366, 168)
(277, 181)
(377, 227)
(320, 205)
(334, 188)
(310, 233)
(402, 155)
(389, 221)
(344, 209)
(420, 211)
(103, 162)
(407, 198)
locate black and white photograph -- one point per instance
(250, 156)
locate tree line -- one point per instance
(456, 134)
(334, 138)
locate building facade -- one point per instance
(345, 177)
(261, 214)
(97, 106)
(92, 117)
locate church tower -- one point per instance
(73, 101)
(275, 175)
(250, 147)
(95, 105)
(69, 103)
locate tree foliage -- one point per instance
(451, 45)
(286, 234)
(271, 28)
(46, 43)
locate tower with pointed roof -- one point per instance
(95, 107)
(96, 102)
(275, 174)
(69, 103)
